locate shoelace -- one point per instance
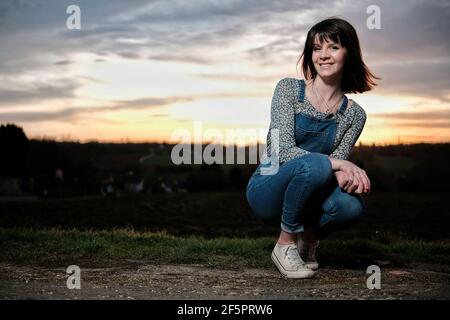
(292, 255)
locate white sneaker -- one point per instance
(288, 261)
(308, 252)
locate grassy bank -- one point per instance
(57, 246)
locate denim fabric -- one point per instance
(304, 191)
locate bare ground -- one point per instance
(132, 279)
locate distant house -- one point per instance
(10, 186)
(134, 184)
(165, 187)
(109, 187)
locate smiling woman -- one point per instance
(329, 45)
(314, 190)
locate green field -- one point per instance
(217, 229)
(52, 246)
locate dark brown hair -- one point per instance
(356, 77)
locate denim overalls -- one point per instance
(312, 134)
(304, 190)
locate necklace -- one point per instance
(328, 108)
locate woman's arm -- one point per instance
(350, 177)
(350, 137)
(282, 118)
(335, 163)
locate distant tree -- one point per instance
(360, 163)
(14, 152)
(237, 180)
(207, 177)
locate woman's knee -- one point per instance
(316, 165)
(341, 212)
(350, 208)
(263, 204)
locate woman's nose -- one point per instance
(324, 54)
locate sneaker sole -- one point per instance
(313, 266)
(292, 274)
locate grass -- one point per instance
(55, 246)
(424, 216)
(215, 229)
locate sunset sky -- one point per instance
(139, 70)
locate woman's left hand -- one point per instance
(343, 179)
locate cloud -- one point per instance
(73, 113)
(410, 52)
(167, 28)
(418, 78)
(425, 119)
(39, 91)
(181, 57)
(144, 103)
(63, 63)
(422, 124)
(256, 78)
(418, 30)
(425, 115)
(76, 113)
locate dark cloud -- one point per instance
(428, 119)
(258, 78)
(63, 63)
(410, 52)
(69, 114)
(128, 54)
(37, 116)
(423, 124)
(422, 78)
(62, 88)
(415, 31)
(144, 103)
(181, 57)
(168, 27)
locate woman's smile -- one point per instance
(328, 57)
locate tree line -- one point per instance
(51, 168)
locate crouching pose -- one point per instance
(305, 184)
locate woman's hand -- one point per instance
(351, 178)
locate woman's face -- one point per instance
(328, 58)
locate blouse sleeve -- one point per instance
(282, 117)
(350, 137)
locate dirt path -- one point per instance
(139, 280)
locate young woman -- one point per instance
(305, 181)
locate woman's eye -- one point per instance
(335, 48)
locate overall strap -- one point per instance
(343, 105)
(301, 90)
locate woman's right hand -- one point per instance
(354, 178)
